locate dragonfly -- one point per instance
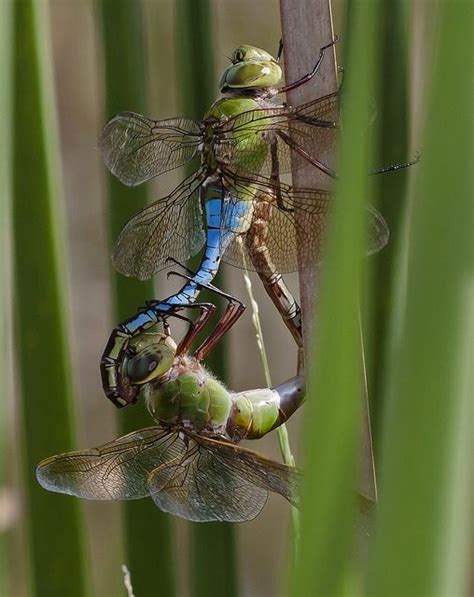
(190, 462)
(235, 206)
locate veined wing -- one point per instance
(264, 140)
(219, 481)
(117, 470)
(291, 221)
(136, 148)
(169, 227)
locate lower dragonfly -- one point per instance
(190, 463)
(236, 197)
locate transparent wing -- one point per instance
(117, 470)
(288, 221)
(169, 227)
(136, 148)
(220, 481)
(258, 141)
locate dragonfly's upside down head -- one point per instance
(251, 68)
(153, 356)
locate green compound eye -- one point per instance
(154, 356)
(141, 367)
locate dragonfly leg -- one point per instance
(233, 311)
(329, 171)
(280, 50)
(206, 285)
(395, 167)
(305, 155)
(305, 78)
(207, 310)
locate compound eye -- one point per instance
(238, 56)
(141, 366)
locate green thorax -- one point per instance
(189, 396)
(242, 140)
(226, 107)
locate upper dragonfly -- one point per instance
(234, 203)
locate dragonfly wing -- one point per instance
(292, 223)
(169, 227)
(220, 481)
(136, 148)
(378, 232)
(117, 470)
(257, 141)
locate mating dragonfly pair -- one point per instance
(238, 208)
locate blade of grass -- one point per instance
(6, 14)
(122, 36)
(216, 575)
(391, 124)
(422, 541)
(54, 523)
(307, 26)
(333, 374)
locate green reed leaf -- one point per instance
(54, 524)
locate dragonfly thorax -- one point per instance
(208, 146)
(189, 396)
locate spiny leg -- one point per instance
(329, 171)
(206, 285)
(207, 310)
(305, 78)
(395, 167)
(305, 155)
(280, 50)
(233, 311)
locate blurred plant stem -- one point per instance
(123, 43)
(6, 14)
(332, 421)
(390, 190)
(55, 525)
(422, 541)
(216, 575)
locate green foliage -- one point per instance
(391, 126)
(421, 545)
(54, 523)
(6, 13)
(123, 42)
(333, 405)
(421, 538)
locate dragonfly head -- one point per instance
(250, 68)
(151, 356)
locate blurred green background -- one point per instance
(66, 67)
